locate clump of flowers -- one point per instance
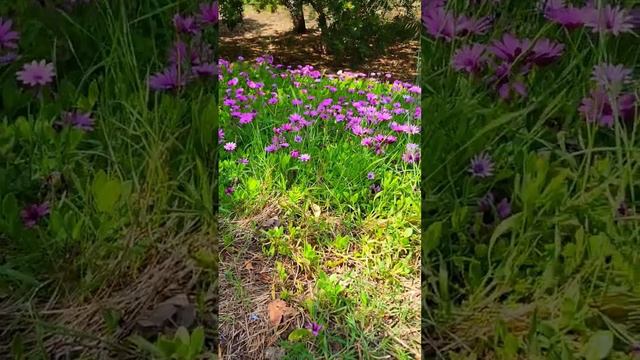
(513, 59)
(441, 23)
(607, 19)
(190, 57)
(607, 100)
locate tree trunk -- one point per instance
(297, 14)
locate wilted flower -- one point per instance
(33, 213)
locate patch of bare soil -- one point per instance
(252, 318)
(270, 33)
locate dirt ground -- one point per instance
(270, 33)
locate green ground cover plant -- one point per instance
(319, 194)
(106, 171)
(531, 240)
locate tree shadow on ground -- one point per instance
(288, 48)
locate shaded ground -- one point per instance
(270, 33)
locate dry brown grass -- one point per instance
(75, 327)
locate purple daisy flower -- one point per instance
(570, 17)
(439, 23)
(205, 70)
(509, 47)
(597, 108)
(611, 77)
(243, 161)
(186, 25)
(229, 190)
(481, 166)
(305, 157)
(470, 58)
(79, 120)
(33, 213)
(167, 80)
(230, 146)
(610, 19)
(545, 52)
(8, 37)
(36, 73)
(470, 26)
(314, 327)
(371, 175)
(209, 13)
(503, 208)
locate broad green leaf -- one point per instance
(432, 237)
(106, 192)
(299, 335)
(599, 345)
(197, 341)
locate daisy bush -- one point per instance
(531, 240)
(338, 156)
(95, 146)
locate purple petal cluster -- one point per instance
(490, 207)
(36, 73)
(607, 100)
(607, 19)
(32, 214)
(190, 57)
(481, 166)
(79, 120)
(441, 23)
(8, 42)
(376, 114)
(513, 58)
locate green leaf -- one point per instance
(407, 232)
(106, 192)
(93, 93)
(183, 334)
(432, 237)
(505, 226)
(197, 341)
(599, 345)
(299, 335)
